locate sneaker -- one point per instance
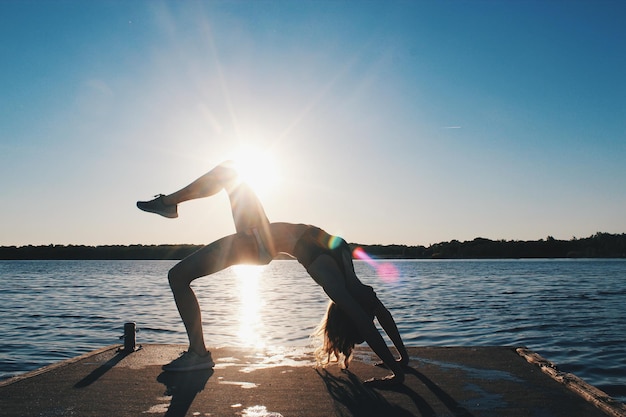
(157, 206)
(190, 361)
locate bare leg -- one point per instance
(248, 212)
(252, 243)
(214, 181)
(230, 250)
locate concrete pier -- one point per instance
(455, 381)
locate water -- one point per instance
(569, 311)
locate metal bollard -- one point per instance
(129, 337)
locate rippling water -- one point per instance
(569, 311)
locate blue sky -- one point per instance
(388, 122)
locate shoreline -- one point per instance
(599, 245)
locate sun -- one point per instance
(257, 168)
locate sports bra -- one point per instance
(315, 242)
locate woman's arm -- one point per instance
(325, 272)
(388, 324)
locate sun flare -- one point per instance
(257, 168)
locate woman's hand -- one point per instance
(403, 361)
(386, 382)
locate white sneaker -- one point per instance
(190, 361)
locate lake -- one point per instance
(569, 311)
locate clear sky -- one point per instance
(388, 122)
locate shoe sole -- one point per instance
(160, 213)
(197, 367)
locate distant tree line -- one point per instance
(113, 252)
(600, 245)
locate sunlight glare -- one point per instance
(257, 168)
(250, 323)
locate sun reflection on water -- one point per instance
(250, 323)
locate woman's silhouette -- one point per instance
(327, 259)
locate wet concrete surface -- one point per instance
(455, 381)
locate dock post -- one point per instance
(129, 337)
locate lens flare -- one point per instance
(334, 242)
(386, 271)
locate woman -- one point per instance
(257, 241)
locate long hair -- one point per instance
(339, 335)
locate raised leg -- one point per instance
(221, 177)
(248, 212)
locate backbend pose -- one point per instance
(327, 259)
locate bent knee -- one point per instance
(227, 171)
(176, 279)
